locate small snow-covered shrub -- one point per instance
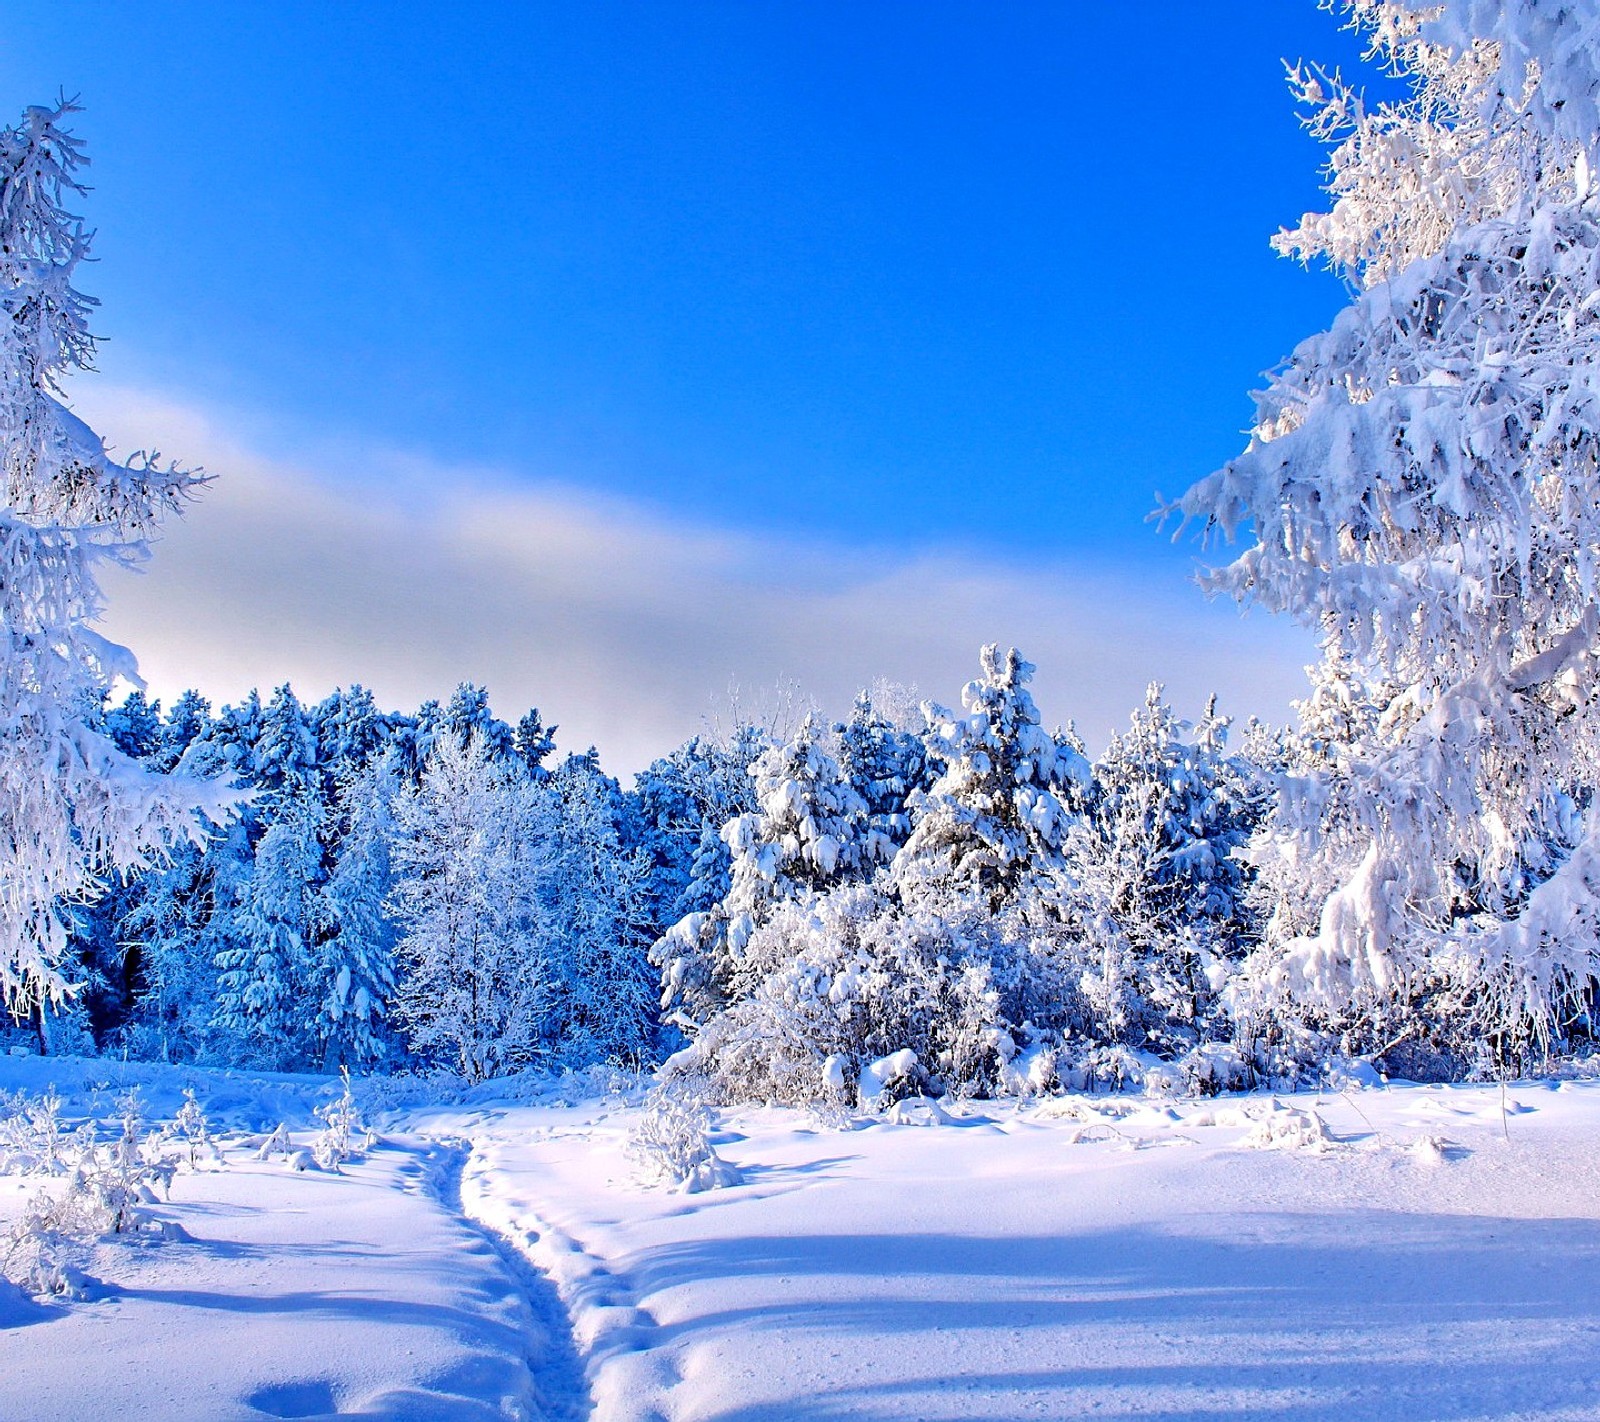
(277, 1143)
(344, 1135)
(890, 1079)
(32, 1140)
(192, 1131)
(107, 1189)
(1215, 1067)
(1281, 1127)
(671, 1142)
(1112, 1068)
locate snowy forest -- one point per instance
(922, 898)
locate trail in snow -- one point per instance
(303, 1295)
(1392, 1256)
(560, 1386)
(1401, 1253)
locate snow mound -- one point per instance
(1281, 1127)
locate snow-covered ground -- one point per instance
(1408, 1252)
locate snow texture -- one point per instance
(1415, 1251)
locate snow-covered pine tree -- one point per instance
(885, 764)
(534, 742)
(175, 925)
(187, 721)
(134, 725)
(684, 801)
(284, 761)
(806, 834)
(466, 715)
(470, 856)
(1158, 894)
(267, 952)
(355, 957)
(74, 806)
(351, 733)
(679, 806)
(606, 1006)
(1423, 485)
(991, 825)
(265, 972)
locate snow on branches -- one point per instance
(75, 808)
(1423, 484)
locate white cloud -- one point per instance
(618, 625)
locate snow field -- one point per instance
(1406, 1252)
(284, 1294)
(1380, 1255)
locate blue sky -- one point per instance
(890, 280)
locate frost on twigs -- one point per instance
(671, 1142)
(191, 1132)
(32, 1138)
(107, 1191)
(344, 1135)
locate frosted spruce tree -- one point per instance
(990, 826)
(685, 801)
(265, 987)
(470, 858)
(605, 1004)
(1422, 485)
(1158, 891)
(882, 758)
(806, 834)
(74, 807)
(354, 959)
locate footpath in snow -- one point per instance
(1398, 1254)
(1410, 1252)
(285, 1293)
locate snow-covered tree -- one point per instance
(885, 764)
(1423, 485)
(847, 979)
(467, 714)
(187, 721)
(606, 1005)
(266, 989)
(355, 957)
(470, 853)
(350, 732)
(534, 742)
(284, 760)
(949, 954)
(134, 725)
(992, 822)
(73, 806)
(1157, 899)
(684, 801)
(806, 833)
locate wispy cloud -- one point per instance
(618, 624)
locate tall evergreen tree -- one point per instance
(266, 988)
(991, 825)
(73, 805)
(471, 852)
(599, 913)
(355, 958)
